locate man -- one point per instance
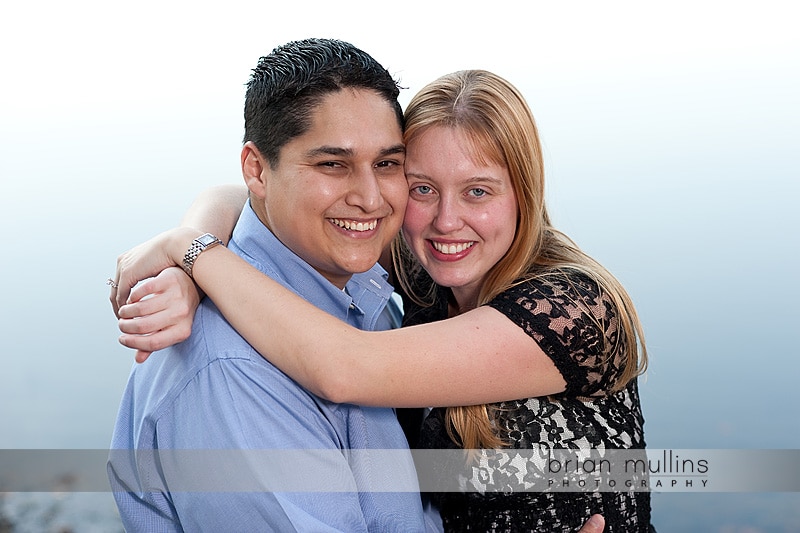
(323, 161)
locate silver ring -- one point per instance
(112, 283)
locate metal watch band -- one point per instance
(203, 242)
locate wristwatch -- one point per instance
(203, 242)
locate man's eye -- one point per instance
(385, 164)
(422, 189)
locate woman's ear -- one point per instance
(254, 169)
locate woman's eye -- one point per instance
(422, 189)
(478, 193)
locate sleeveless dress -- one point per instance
(570, 319)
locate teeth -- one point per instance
(352, 225)
(452, 248)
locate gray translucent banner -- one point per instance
(537, 470)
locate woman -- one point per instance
(519, 338)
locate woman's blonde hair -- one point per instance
(497, 122)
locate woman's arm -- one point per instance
(478, 357)
(216, 210)
(173, 296)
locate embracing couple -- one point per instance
(274, 326)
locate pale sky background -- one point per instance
(670, 135)
(671, 140)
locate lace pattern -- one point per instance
(575, 324)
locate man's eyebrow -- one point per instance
(330, 150)
(396, 149)
(349, 152)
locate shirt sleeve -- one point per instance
(574, 323)
(230, 450)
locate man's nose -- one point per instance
(365, 190)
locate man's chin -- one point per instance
(359, 264)
(361, 268)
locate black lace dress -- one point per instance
(570, 320)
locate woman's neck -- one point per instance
(461, 301)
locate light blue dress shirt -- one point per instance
(215, 392)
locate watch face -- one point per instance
(206, 239)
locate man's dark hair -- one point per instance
(289, 83)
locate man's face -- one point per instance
(338, 194)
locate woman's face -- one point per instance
(461, 217)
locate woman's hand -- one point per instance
(147, 260)
(162, 307)
(159, 313)
(595, 524)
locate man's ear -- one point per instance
(254, 169)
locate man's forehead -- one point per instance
(352, 123)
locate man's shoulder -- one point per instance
(213, 337)
(213, 361)
(174, 370)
